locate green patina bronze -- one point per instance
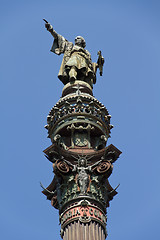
(77, 62)
(79, 127)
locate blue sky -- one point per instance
(128, 33)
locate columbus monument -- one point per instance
(79, 127)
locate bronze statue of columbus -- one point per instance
(79, 127)
(77, 63)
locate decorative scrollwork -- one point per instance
(85, 219)
(63, 167)
(104, 167)
(78, 105)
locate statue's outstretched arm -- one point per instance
(49, 28)
(95, 164)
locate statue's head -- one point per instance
(82, 162)
(80, 41)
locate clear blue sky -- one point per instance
(128, 33)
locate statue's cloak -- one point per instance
(73, 56)
(61, 45)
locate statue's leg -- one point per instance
(73, 74)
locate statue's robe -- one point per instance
(75, 56)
